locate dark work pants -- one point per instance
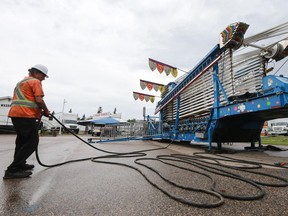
(26, 141)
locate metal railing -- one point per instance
(130, 131)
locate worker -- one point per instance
(25, 112)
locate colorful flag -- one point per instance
(233, 36)
(151, 85)
(153, 64)
(142, 97)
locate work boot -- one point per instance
(27, 167)
(17, 174)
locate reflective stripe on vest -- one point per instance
(21, 100)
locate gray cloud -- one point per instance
(97, 50)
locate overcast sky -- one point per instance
(97, 50)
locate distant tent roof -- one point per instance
(102, 121)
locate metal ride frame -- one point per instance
(225, 98)
(228, 121)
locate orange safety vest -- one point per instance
(24, 104)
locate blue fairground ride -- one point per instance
(230, 93)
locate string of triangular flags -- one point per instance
(153, 64)
(142, 97)
(151, 85)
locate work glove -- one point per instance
(47, 114)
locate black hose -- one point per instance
(112, 154)
(140, 153)
(179, 199)
(197, 160)
(247, 169)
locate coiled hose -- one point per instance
(197, 163)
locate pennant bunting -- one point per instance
(142, 84)
(160, 68)
(156, 87)
(167, 70)
(151, 85)
(153, 64)
(142, 97)
(147, 98)
(162, 89)
(135, 95)
(174, 72)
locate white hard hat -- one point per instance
(41, 68)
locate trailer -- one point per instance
(6, 125)
(69, 120)
(230, 93)
(279, 128)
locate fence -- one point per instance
(130, 131)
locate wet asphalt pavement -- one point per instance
(89, 188)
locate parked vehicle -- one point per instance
(6, 125)
(69, 120)
(96, 131)
(279, 128)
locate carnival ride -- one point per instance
(229, 94)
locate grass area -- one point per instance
(275, 140)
